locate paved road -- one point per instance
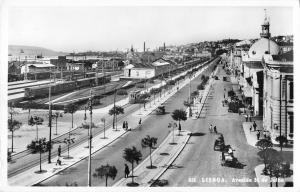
(155, 126)
(198, 163)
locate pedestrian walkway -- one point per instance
(252, 135)
(162, 158)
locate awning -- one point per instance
(247, 91)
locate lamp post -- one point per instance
(103, 121)
(90, 142)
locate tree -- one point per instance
(179, 115)
(149, 142)
(106, 171)
(36, 121)
(56, 115)
(13, 125)
(262, 145)
(274, 167)
(116, 110)
(12, 112)
(71, 108)
(132, 155)
(281, 139)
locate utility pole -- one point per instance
(90, 143)
(114, 116)
(50, 124)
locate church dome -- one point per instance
(261, 47)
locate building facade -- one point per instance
(278, 95)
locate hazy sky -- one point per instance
(111, 28)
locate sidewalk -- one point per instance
(162, 158)
(28, 177)
(252, 136)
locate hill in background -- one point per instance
(15, 50)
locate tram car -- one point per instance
(134, 96)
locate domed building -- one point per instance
(261, 47)
(252, 69)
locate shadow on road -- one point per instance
(197, 134)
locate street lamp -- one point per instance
(103, 121)
(172, 125)
(69, 141)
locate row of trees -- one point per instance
(134, 156)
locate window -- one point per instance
(291, 123)
(291, 90)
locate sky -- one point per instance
(117, 28)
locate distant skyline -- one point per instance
(77, 29)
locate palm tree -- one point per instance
(36, 121)
(13, 125)
(116, 110)
(56, 115)
(132, 155)
(149, 142)
(71, 108)
(106, 171)
(179, 115)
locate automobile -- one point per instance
(160, 110)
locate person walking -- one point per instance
(215, 129)
(59, 150)
(210, 128)
(126, 171)
(257, 135)
(126, 125)
(254, 125)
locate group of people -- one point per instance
(125, 125)
(213, 129)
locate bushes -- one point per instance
(87, 125)
(200, 87)
(151, 81)
(122, 92)
(171, 82)
(140, 85)
(231, 93)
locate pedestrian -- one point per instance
(257, 135)
(140, 121)
(223, 156)
(215, 129)
(124, 125)
(250, 128)
(126, 171)
(58, 162)
(59, 150)
(254, 125)
(224, 95)
(210, 128)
